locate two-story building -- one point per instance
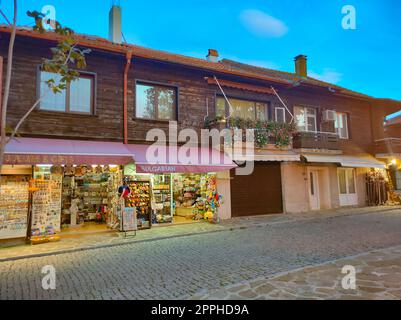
(76, 148)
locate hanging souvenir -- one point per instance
(69, 170)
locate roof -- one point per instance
(291, 77)
(224, 66)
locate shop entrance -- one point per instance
(83, 199)
(259, 193)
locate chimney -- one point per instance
(301, 68)
(212, 56)
(115, 34)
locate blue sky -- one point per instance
(266, 33)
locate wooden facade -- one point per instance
(196, 98)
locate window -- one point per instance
(305, 118)
(341, 125)
(78, 97)
(156, 102)
(346, 181)
(398, 179)
(280, 115)
(242, 109)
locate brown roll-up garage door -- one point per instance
(258, 193)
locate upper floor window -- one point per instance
(305, 118)
(280, 115)
(78, 97)
(244, 109)
(157, 102)
(341, 124)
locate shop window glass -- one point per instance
(398, 179)
(76, 98)
(351, 181)
(155, 102)
(346, 180)
(342, 181)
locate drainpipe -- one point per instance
(1, 85)
(127, 66)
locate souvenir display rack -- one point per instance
(140, 198)
(14, 201)
(46, 206)
(161, 191)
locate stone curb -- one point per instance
(224, 229)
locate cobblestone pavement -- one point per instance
(378, 277)
(109, 239)
(181, 267)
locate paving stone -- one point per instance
(179, 267)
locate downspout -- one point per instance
(1, 85)
(126, 69)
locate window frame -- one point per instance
(82, 74)
(305, 129)
(176, 89)
(227, 107)
(284, 115)
(339, 113)
(346, 171)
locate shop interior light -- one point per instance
(113, 166)
(44, 165)
(394, 162)
(94, 165)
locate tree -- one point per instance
(66, 57)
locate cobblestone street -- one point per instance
(188, 266)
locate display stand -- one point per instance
(128, 220)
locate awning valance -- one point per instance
(170, 159)
(148, 158)
(267, 155)
(347, 161)
(241, 86)
(30, 151)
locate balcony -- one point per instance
(388, 146)
(316, 140)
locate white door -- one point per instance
(314, 196)
(347, 187)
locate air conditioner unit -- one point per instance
(329, 115)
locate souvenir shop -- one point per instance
(49, 201)
(51, 188)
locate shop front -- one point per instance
(322, 182)
(53, 188)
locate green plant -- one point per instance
(265, 131)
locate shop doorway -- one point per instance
(259, 193)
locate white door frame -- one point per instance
(347, 199)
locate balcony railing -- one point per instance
(316, 140)
(388, 145)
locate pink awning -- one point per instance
(162, 159)
(30, 151)
(148, 158)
